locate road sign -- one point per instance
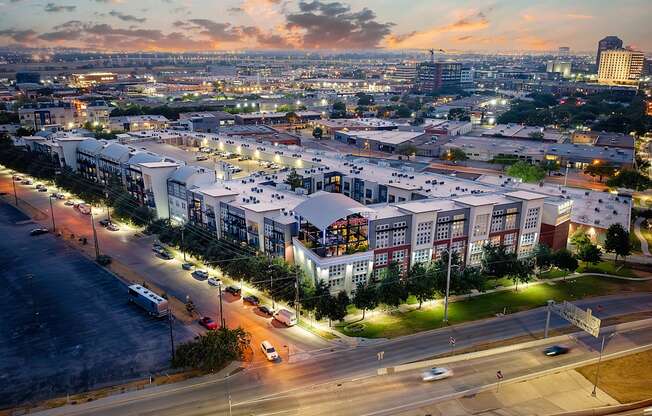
(499, 375)
(582, 319)
(451, 340)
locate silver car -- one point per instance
(436, 373)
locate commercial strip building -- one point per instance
(350, 218)
(536, 151)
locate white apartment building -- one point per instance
(620, 66)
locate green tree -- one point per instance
(213, 350)
(392, 291)
(455, 154)
(403, 112)
(407, 149)
(496, 261)
(630, 179)
(617, 241)
(338, 306)
(471, 278)
(338, 110)
(600, 170)
(365, 100)
(549, 166)
(589, 253)
(564, 260)
(294, 179)
(526, 172)
(543, 256)
(521, 271)
(422, 282)
(536, 135)
(365, 297)
(459, 114)
(317, 132)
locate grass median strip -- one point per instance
(394, 324)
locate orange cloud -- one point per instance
(421, 39)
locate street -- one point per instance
(135, 253)
(346, 384)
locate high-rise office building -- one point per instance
(564, 51)
(607, 44)
(620, 66)
(25, 77)
(432, 76)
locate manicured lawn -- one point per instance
(553, 274)
(389, 325)
(607, 267)
(494, 283)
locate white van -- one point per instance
(285, 317)
(269, 351)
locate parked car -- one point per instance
(163, 253)
(42, 189)
(39, 231)
(200, 274)
(267, 310)
(234, 290)
(18, 178)
(208, 323)
(58, 195)
(268, 350)
(556, 350)
(187, 266)
(214, 282)
(112, 227)
(104, 222)
(69, 203)
(26, 182)
(436, 373)
(251, 299)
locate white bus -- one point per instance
(148, 300)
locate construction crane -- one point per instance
(432, 53)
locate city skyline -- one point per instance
(198, 25)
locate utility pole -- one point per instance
(448, 273)
(183, 247)
(566, 175)
(549, 310)
(297, 305)
(219, 293)
(97, 246)
(170, 318)
(13, 181)
(597, 370)
(54, 227)
(108, 209)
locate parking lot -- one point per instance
(65, 324)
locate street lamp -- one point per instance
(54, 228)
(597, 371)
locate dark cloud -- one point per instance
(334, 26)
(56, 8)
(17, 35)
(126, 17)
(225, 32)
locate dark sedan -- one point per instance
(556, 350)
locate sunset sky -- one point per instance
(199, 25)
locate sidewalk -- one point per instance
(637, 230)
(550, 394)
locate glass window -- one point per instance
(398, 237)
(424, 231)
(381, 259)
(532, 218)
(480, 227)
(422, 256)
(382, 239)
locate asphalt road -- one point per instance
(344, 385)
(65, 323)
(136, 254)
